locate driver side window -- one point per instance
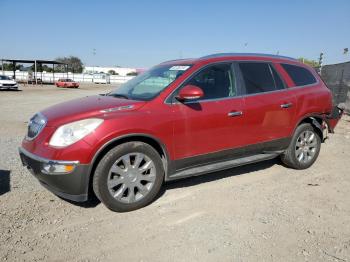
(216, 81)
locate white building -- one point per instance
(122, 71)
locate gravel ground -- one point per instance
(260, 212)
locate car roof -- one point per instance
(233, 56)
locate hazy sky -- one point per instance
(144, 33)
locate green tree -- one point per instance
(9, 67)
(74, 64)
(41, 68)
(309, 62)
(132, 74)
(47, 68)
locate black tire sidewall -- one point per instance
(102, 171)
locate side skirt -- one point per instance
(218, 166)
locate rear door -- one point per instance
(270, 107)
(203, 129)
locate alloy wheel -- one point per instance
(306, 146)
(131, 177)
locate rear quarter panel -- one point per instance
(312, 100)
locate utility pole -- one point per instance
(93, 65)
(320, 62)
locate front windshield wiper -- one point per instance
(119, 96)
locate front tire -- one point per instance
(128, 177)
(303, 149)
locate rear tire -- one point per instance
(128, 177)
(303, 149)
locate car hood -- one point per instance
(91, 106)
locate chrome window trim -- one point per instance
(314, 84)
(241, 95)
(237, 87)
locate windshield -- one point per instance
(4, 78)
(149, 84)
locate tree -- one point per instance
(132, 74)
(47, 68)
(41, 68)
(309, 62)
(9, 67)
(74, 64)
(112, 72)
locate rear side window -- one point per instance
(300, 75)
(260, 77)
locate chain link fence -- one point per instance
(337, 78)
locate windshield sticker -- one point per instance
(179, 68)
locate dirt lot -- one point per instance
(261, 212)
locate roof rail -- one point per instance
(246, 54)
(174, 60)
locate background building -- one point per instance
(122, 71)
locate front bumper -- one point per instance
(14, 87)
(73, 185)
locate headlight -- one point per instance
(70, 133)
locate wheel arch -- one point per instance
(316, 121)
(146, 138)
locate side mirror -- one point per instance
(190, 92)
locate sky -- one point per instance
(144, 33)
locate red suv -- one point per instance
(179, 119)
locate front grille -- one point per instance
(36, 124)
(8, 85)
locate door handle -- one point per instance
(235, 113)
(287, 105)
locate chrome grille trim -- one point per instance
(35, 126)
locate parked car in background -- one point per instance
(101, 78)
(179, 119)
(66, 82)
(6, 83)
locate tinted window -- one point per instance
(260, 77)
(300, 75)
(216, 81)
(2, 77)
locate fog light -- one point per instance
(54, 168)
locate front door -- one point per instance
(209, 128)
